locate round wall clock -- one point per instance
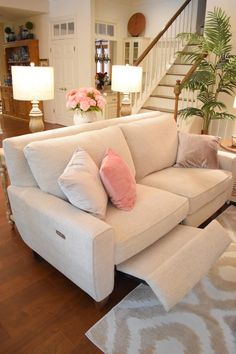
(136, 24)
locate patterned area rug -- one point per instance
(228, 220)
(203, 322)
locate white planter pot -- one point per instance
(84, 117)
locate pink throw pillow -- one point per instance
(118, 180)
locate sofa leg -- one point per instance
(99, 305)
(37, 256)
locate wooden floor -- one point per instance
(41, 311)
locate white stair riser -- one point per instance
(170, 79)
(164, 90)
(179, 69)
(190, 48)
(179, 61)
(163, 103)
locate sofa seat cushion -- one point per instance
(153, 143)
(155, 213)
(199, 185)
(48, 158)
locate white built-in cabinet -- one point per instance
(110, 110)
(133, 48)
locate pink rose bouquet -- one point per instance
(85, 99)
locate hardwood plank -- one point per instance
(3, 335)
(48, 344)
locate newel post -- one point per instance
(177, 92)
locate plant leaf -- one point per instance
(189, 112)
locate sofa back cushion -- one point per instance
(153, 143)
(47, 159)
(17, 166)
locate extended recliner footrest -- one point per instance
(174, 264)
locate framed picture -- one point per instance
(43, 62)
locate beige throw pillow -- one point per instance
(196, 150)
(81, 183)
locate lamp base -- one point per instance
(125, 109)
(36, 118)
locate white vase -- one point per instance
(84, 117)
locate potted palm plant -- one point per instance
(216, 68)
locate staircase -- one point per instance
(162, 98)
(158, 61)
(161, 70)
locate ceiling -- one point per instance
(12, 14)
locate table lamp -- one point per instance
(126, 79)
(33, 83)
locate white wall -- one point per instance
(31, 5)
(229, 7)
(157, 13)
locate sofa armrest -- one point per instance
(227, 161)
(78, 244)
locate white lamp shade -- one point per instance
(126, 78)
(33, 83)
(234, 105)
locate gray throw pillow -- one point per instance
(81, 183)
(196, 150)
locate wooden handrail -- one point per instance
(179, 84)
(160, 34)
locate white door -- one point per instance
(64, 57)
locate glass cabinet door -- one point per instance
(135, 51)
(127, 52)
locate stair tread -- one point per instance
(175, 74)
(182, 64)
(171, 97)
(164, 96)
(166, 85)
(152, 108)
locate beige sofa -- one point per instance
(87, 249)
